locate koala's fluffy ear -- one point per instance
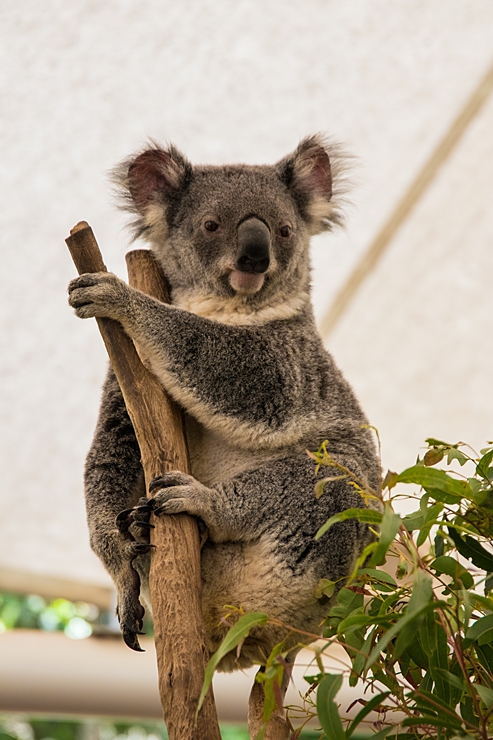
(150, 181)
(308, 173)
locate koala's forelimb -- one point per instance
(196, 359)
(179, 630)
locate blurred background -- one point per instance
(402, 295)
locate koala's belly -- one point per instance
(213, 457)
(251, 576)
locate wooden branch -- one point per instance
(175, 562)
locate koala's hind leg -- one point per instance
(278, 727)
(114, 482)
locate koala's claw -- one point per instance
(142, 547)
(144, 524)
(131, 640)
(137, 516)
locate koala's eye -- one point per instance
(211, 225)
(285, 231)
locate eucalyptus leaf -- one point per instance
(369, 516)
(481, 631)
(472, 549)
(431, 478)
(484, 464)
(389, 527)
(234, 636)
(451, 567)
(486, 695)
(327, 709)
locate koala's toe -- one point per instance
(83, 281)
(173, 478)
(130, 611)
(134, 523)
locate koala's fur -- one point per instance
(239, 350)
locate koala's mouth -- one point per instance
(246, 283)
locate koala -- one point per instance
(238, 349)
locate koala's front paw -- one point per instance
(99, 294)
(177, 492)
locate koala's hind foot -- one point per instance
(133, 524)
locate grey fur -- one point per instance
(240, 352)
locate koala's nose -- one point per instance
(253, 246)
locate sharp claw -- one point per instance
(130, 639)
(143, 547)
(123, 515)
(144, 507)
(156, 483)
(144, 524)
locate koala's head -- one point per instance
(233, 238)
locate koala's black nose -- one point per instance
(253, 246)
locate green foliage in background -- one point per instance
(33, 612)
(416, 616)
(34, 728)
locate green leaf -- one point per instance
(390, 480)
(324, 588)
(413, 521)
(433, 456)
(429, 478)
(439, 544)
(380, 576)
(455, 454)
(234, 636)
(452, 568)
(484, 464)
(485, 657)
(430, 518)
(481, 631)
(432, 442)
(369, 707)
(347, 602)
(369, 516)
(439, 660)
(446, 498)
(453, 680)
(410, 619)
(417, 654)
(468, 712)
(431, 705)
(471, 549)
(383, 733)
(485, 694)
(389, 527)
(488, 583)
(428, 633)
(414, 614)
(327, 709)
(359, 660)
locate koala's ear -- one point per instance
(307, 172)
(155, 174)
